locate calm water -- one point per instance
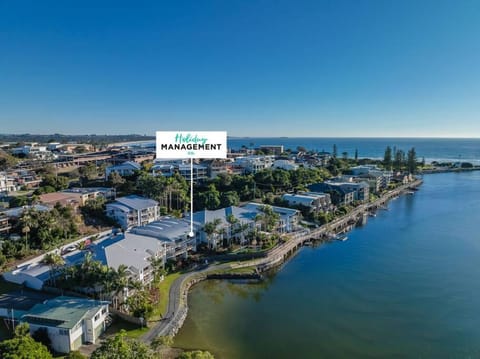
(405, 285)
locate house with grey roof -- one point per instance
(133, 251)
(376, 178)
(343, 193)
(69, 322)
(288, 217)
(245, 221)
(244, 218)
(133, 210)
(315, 201)
(172, 233)
(166, 238)
(89, 193)
(124, 169)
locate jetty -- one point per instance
(177, 304)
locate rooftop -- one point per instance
(136, 202)
(167, 229)
(130, 249)
(279, 210)
(299, 197)
(17, 211)
(85, 190)
(241, 213)
(128, 164)
(63, 312)
(23, 299)
(55, 197)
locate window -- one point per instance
(104, 310)
(96, 317)
(63, 331)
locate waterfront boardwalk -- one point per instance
(177, 302)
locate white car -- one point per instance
(69, 249)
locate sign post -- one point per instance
(191, 144)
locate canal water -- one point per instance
(405, 285)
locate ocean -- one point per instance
(432, 149)
(406, 285)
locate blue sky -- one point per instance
(253, 68)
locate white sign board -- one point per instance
(191, 144)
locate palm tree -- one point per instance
(120, 282)
(243, 227)
(27, 222)
(210, 228)
(158, 267)
(54, 261)
(232, 220)
(269, 218)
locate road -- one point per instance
(177, 302)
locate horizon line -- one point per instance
(244, 136)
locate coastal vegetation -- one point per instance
(120, 346)
(40, 230)
(23, 346)
(46, 230)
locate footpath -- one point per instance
(177, 308)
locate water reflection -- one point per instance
(404, 285)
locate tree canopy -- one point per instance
(23, 346)
(120, 347)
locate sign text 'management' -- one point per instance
(191, 144)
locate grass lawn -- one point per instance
(242, 270)
(20, 193)
(164, 289)
(133, 331)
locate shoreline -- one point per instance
(448, 170)
(177, 308)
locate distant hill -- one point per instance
(92, 139)
(6, 160)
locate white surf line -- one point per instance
(191, 234)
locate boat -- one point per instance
(341, 237)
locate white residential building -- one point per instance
(285, 165)
(166, 170)
(124, 169)
(376, 178)
(133, 210)
(131, 250)
(164, 239)
(69, 322)
(253, 164)
(87, 193)
(34, 150)
(168, 167)
(245, 217)
(288, 220)
(316, 201)
(200, 172)
(7, 184)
